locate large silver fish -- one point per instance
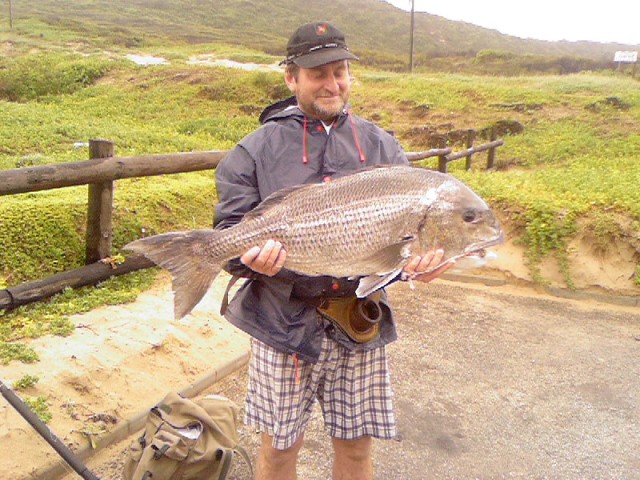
(366, 224)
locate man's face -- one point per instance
(323, 91)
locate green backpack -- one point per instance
(186, 440)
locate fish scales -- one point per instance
(365, 224)
(322, 227)
(361, 218)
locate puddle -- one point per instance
(212, 61)
(147, 60)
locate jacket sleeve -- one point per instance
(237, 188)
(238, 192)
(394, 150)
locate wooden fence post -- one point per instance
(99, 214)
(491, 156)
(471, 136)
(442, 163)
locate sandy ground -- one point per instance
(463, 402)
(120, 361)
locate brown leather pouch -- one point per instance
(358, 318)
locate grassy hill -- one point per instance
(377, 30)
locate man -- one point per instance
(298, 355)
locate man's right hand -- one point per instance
(267, 260)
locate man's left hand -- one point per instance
(421, 267)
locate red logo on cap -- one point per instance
(321, 29)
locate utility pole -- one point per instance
(10, 15)
(413, 4)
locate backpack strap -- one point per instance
(225, 298)
(243, 453)
(227, 457)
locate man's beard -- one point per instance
(326, 112)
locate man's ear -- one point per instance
(290, 80)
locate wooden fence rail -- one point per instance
(99, 173)
(101, 169)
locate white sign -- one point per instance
(626, 57)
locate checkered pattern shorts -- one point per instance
(353, 389)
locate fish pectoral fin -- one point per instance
(388, 263)
(385, 260)
(370, 284)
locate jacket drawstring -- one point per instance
(305, 155)
(297, 367)
(355, 137)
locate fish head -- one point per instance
(459, 222)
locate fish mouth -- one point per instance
(473, 250)
(479, 249)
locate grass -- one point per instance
(25, 382)
(40, 407)
(576, 165)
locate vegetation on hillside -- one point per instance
(377, 31)
(575, 163)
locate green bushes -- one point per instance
(32, 77)
(501, 62)
(44, 233)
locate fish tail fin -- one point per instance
(180, 253)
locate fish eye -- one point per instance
(469, 216)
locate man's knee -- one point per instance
(278, 456)
(357, 450)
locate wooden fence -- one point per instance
(99, 173)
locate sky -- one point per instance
(594, 20)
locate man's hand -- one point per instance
(267, 260)
(417, 267)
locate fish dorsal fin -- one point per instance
(274, 199)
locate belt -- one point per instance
(358, 318)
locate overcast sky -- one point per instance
(598, 21)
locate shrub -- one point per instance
(35, 76)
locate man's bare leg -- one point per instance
(274, 464)
(352, 459)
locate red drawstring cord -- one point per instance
(295, 361)
(305, 156)
(355, 137)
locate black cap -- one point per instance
(315, 44)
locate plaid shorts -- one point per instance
(353, 389)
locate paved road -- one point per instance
(492, 384)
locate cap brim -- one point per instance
(324, 56)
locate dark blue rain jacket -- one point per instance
(289, 150)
